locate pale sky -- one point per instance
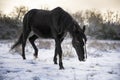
(71, 5)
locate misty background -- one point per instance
(99, 25)
(102, 18)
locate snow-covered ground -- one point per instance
(103, 62)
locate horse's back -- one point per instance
(46, 23)
(40, 17)
(40, 22)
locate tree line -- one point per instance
(99, 25)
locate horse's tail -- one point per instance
(19, 42)
(26, 29)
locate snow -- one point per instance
(103, 63)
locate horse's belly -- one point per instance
(42, 31)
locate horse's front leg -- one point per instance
(55, 56)
(58, 50)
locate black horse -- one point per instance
(52, 24)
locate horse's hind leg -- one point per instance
(32, 39)
(25, 35)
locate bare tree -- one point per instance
(19, 12)
(79, 17)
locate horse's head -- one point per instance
(79, 41)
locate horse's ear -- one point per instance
(84, 27)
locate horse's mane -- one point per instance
(66, 20)
(63, 18)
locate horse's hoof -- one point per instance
(35, 56)
(55, 62)
(62, 68)
(24, 58)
